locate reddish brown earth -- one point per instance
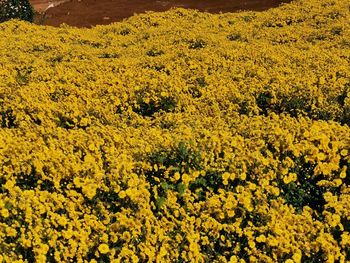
(43, 5)
(87, 13)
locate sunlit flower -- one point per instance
(103, 248)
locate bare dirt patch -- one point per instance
(43, 5)
(88, 13)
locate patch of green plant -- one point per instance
(47, 185)
(195, 92)
(197, 44)
(125, 31)
(316, 257)
(263, 101)
(2, 182)
(8, 119)
(50, 255)
(154, 53)
(248, 18)
(94, 44)
(295, 105)
(211, 181)
(16, 9)
(244, 108)
(110, 199)
(59, 94)
(22, 78)
(305, 191)
(148, 109)
(201, 82)
(182, 159)
(347, 253)
(109, 55)
(160, 201)
(236, 37)
(337, 30)
(27, 253)
(65, 122)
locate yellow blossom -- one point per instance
(122, 194)
(103, 248)
(261, 239)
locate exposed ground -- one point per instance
(87, 13)
(43, 5)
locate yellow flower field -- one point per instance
(178, 137)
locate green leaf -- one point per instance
(160, 201)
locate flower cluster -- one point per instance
(178, 136)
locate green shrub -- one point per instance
(16, 9)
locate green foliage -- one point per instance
(182, 159)
(314, 258)
(264, 102)
(306, 192)
(26, 253)
(8, 119)
(211, 181)
(65, 122)
(347, 253)
(197, 44)
(236, 37)
(148, 109)
(295, 106)
(27, 181)
(16, 9)
(154, 53)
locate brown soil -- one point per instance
(87, 13)
(43, 5)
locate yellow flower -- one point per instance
(5, 213)
(251, 244)
(92, 147)
(291, 177)
(116, 188)
(126, 236)
(11, 232)
(103, 248)
(122, 194)
(177, 176)
(233, 259)
(225, 178)
(186, 179)
(334, 220)
(297, 257)
(62, 221)
(322, 80)
(344, 152)
(261, 239)
(134, 259)
(84, 122)
(342, 174)
(338, 182)
(243, 176)
(67, 234)
(231, 213)
(273, 242)
(89, 191)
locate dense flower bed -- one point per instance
(178, 137)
